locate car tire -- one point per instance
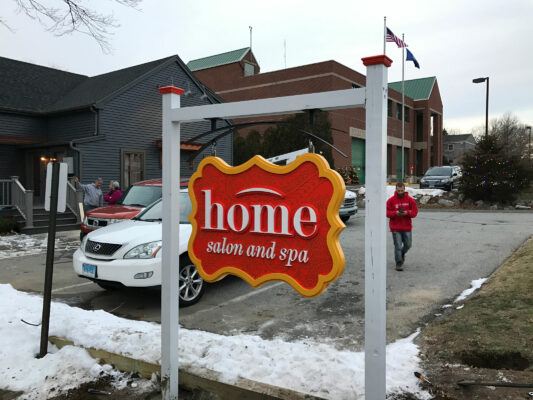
(191, 284)
(345, 218)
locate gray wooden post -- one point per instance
(375, 227)
(28, 201)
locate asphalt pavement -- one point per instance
(450, 249)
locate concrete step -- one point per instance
(44, 229)
(8, 212)
(41, 218)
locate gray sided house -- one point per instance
(105, 126)
(455, 146)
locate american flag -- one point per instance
(391, 37)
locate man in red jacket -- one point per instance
(400, 209)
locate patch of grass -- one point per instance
(495, 327)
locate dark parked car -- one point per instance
(440, 178)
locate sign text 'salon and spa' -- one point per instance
(264, 222)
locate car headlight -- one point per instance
(445, 180)
(145, 250)
(423, 180)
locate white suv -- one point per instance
(128, 253)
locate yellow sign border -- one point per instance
(336, 224)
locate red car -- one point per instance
(132, 202)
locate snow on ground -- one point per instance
(411, 190)
(22, 245)
(306, 367)
(476, 284)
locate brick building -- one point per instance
(235, 76)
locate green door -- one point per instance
(399, 163)
(358, 158)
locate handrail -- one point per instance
(74, 197)
(22, 200)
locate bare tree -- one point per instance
(510, 134)
(67, 16)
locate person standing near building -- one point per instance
(114, 193)
(92, 194)
(401, 209)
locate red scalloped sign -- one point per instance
(264, 222)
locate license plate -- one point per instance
(88, 270)
(431, 186)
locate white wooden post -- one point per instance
(375, 226)
(170, 250)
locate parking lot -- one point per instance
(450, 249)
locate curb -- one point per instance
(205, 380)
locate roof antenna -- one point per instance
(285, 52)
(250, 36)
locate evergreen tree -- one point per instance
(246, 148)
(281, 139)
(285, 138)
(489, 175)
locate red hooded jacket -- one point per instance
(401, 223)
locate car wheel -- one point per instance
(345, 218)
(191, 284)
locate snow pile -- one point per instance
(306, 367)
(23, 245)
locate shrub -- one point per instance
(489, 175)
(352, 174)
(7, 225)
(344, 175)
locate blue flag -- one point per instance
(412, 58)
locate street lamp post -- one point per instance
(528, 129)
(480, 80)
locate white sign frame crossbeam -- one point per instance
(274, 106)
(374, 96)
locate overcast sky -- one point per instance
(454, 40)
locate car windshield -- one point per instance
(140, 196)
(439, 171)
(155, 211)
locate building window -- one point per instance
(389, 108)
(398, 111)
(450, 147)
(249, 69)
(132, 167)
(406, 114)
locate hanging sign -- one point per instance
(264, 222)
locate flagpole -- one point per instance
(403, 106)
(384, 35)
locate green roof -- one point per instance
(417, 89)
(217, 59)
